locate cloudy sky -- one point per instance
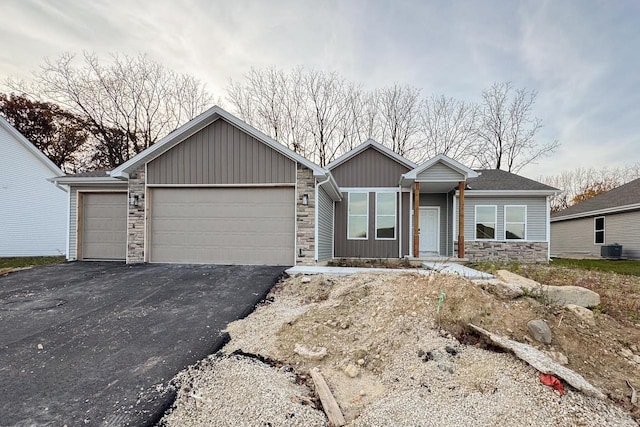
(582, 56)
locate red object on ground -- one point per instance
(552, 381)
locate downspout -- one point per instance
(316, 234)
(400, 223)
(446, 248)
(548, 225)
(411, 208)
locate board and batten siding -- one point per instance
(440, 172)
(325, 226)
(536, 215)
(370, 168)
(576, 237)
(445, 203)
(73, 211)
(33, 211)
(221, 154)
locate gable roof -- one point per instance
(29, 146)
(370, 143)
(623, 198)
(501, 180)
(440, 158)
(183, 132)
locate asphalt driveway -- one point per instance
(95, 343)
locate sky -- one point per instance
(581, 56)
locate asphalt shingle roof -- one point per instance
(627, 194)
(497, 179)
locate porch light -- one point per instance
(305, 199)
(133, 200)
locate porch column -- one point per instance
(461, 220)
(416, 220)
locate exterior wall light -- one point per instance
(305, 199)
(133, 200)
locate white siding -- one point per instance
(325, 226)
(576, 237)
(536, 215)
(33, 211)
(440, 172)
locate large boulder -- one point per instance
(565, 295)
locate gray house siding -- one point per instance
(536, 215)
(445, 203)
(325, 226)
(73, 211)
(370, 248)
(370, 168)
(221, 154)
(440, 172)
(576, 237)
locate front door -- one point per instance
(429, 230)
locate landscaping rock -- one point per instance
(558, 357)
(582, 313)
(516, 280)
(565, 295)
(501, 289)
(540, 331)
(351, 370)
(316, 353)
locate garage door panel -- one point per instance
(223, 225)
(104, 226)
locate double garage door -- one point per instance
(197, 225)
(222, 225)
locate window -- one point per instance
(598, 227)
(385, 216)
(485, 222)
(358, 216)
(515, 222)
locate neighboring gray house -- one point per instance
(218, 191)
(611, 217)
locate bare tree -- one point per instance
(507, 131)
(126, 105)
(448, 127)
(398, 108)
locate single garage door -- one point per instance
(104, 226)
(222, 225)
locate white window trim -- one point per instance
(395, 217)
(506, 222)
(495, 221)
(604, 230)
(349, 216)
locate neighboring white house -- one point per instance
(33, 210)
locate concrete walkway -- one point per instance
(430, 268)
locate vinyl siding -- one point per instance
(576, 237)
(536, 215)
(370, 168)
(73, 212)
(440, 172)
(446, 218)
(33, 211)
(221, 154)
(370, 248)
(325, 226)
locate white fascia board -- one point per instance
(614, 210)
(371, 143)
(86, 180)
(506, 193)
(32, 148)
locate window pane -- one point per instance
(386, 227)
(485, 214)
(357, 227)
(515, 231)
(515, 214)
(386, 203)
(599, 223)
(358, 203)
(485, 231)
(599, 237)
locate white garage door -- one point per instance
(104, 226)
(222, 225)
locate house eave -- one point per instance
(87, 180)
(498, 193)
(376, 145)
(596, 212)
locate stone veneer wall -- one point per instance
(135, 218)
(305, 217)
(525, 252)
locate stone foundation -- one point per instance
(305, 217)
(524, 252)
(135, 218)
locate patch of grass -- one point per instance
(21, 262)
(628, 267)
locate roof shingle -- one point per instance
(497, 179)
(627, 194)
